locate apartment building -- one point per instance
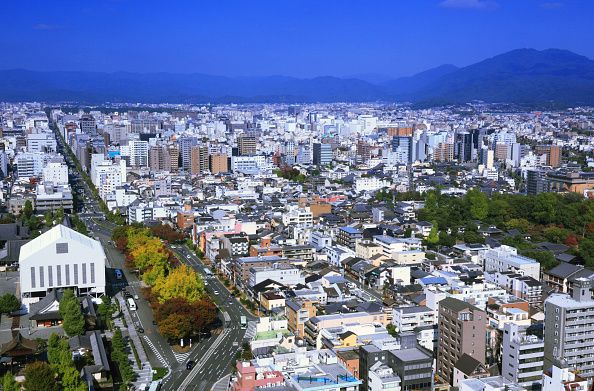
(462, 329)
(569, 325)
(522, 358)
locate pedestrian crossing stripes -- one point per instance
(156, 351)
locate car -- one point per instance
(140, 330)
(135, 297)
(190, 364)
(154, 322)
(215, 292)
(188, 257)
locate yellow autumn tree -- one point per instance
(182, 282)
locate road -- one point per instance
(215, 355)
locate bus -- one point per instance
(118, 274)
(243, 322)
(131, 304)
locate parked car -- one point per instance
(190, 364)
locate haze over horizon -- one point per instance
(301, 39)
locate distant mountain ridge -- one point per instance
(519, 76)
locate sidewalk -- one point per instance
(145, 372)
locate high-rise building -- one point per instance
(522, 360)
(462, 329)
(463, 147)
(363, 151)
(501, 152)
(487, 156)
(198, 159)
(553, 153)
(444, 152)
(536, 182)
(322, 154)
(402, 146)
(88, 124)
(569, 325)
(219, 163)
(246, 145)
(173, 150)
(185, 147)
(138, 153)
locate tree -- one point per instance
(49, 219)
(9, 303)
(479, 204)
(433, 237)
(586, 251)
(183, 282)
(9, 384)
(39, 376)
(105, 309)
(175, 326)
(73, 319)
(59, 216)
(27, 211)
(71, 380)
(571, 240)
(119, 356)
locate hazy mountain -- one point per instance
(520, 76)
(410, 84)
(96, 87)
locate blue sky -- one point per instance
(301, 38)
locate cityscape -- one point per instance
(198, 227)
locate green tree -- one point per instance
(39, 376)
(9, 303)
(73, 319)
(49, 219)
(479, 204)
(27, 211)
(586, 251)
(433, 237)
(9, 384)
(59, 215)
(105, 309)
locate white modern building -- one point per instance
(61, 258)
(522, 356)
(56, 172)
(296, 216)
(41, 142)
(370, 184)
(506, 258)
(409, 318)
(287, 275)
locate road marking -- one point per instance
(203, 361)
(156, 351)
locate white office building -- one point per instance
(522, 356)
(56, 172)
(61, 258)
(506, 258)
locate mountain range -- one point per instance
(522, 76)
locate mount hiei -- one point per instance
(522, 76)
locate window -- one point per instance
(59, 273)
(92, 272)
(61, 248)
(75, 274)
(84, 273)
(41, 279)
(32, 277)
(67, 274)
(50, 276)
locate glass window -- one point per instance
(41, 277)
(32, 277)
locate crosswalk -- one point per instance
(250, 333)
(156, 351)
(181, 357)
